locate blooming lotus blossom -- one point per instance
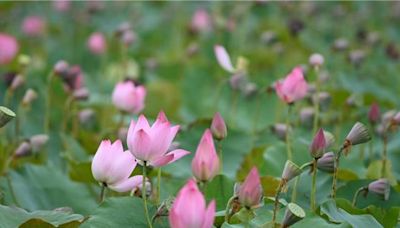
(218, 127)
(189, 209)
(33, 26)
(97, 43)
(223, 58)
(112, 167)
(205, 164)
(293, 87)
(318, 144)
(250, 191)
(201, 21)
(128, 97)
(8, 48)
(150, 144)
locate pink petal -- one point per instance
(177, 154)
(101, 161)
(209, 215)
(223, 58)
(163, 160)
(127, 184)
(139, 144)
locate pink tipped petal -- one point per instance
(209, 216)
(293, 87)
(8, 48)
(174, 220)
(122, 167)
(101, 161)
(127, 184)
(205, 164)
(218, 127)
(250, 191)
(162, 117)
(223, 58)
(177, 154)
(139, 145)
(164, 160)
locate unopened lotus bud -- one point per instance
(316, 60)
(318, 144)
(218, 127)
(81, 93)
(374, 113)
(61, 67)
(307, 116)
(324, 99)
(29, 97)
(327, 162)
(250, 89)
(17, 82)
(250, 193)
(380, 187)
(357, 135)
(237, 81)
(293, 214)
(38, 142)
(329, 139)
(128, 37)
(24, 149)
(24, 60)
(86, 115)
(290, 171)
(6, 115)
(356, 57)
(280, 130)
(341, 44)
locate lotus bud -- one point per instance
(290, 171)
(280, 130)
(218, 127)
(318, 144)
(24, 149)
(250, 192)
(374, 113)
(316, 60)
(341, 44)
(380, 187)
(61, 67)
(81, 94)
(6, 115)
(327, 162)
(38, 141)
(97, 43)
(201, 21)
(324, 99)
(17, 82)
(137, 191)
(29, 97)
(33, 26)
(329, 139)
(61, 5)
(24, 60)
(8, 48)
(357, 135)
(293, 214)
(292, 88)
(307, 116)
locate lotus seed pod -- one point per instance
(293, 214)
(290, 171)
(6, 115)
(327, 162)
(358, 134)
(380, 187)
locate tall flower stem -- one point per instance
(314, 184)
(146, 211)
(316, 104)
(384, 155)
(219, 142)
(233, 107)
(67, 107)
(14, 197)
(102, 192)
(335, 172)
(288, 145)
(371, 150)
(158, 185)
(362, 189)
(276, 203)
(294, 189)
(48, 103)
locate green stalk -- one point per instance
(146, 211)
(102, 192)
(158, 185)
(335, 171)
(288, 145)
(48, 103)
(362, 189)
(221, 162)
(316, 105)
(276, 203)
(314, 185)
(384, 155)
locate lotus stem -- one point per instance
(335, 171)
(362, 189)
(158, 185)
(146, 211)
(102, 192)
(48, 103)
(288, 145)
(316, 105)
(276, 203)
(314, 184)
(384, 155)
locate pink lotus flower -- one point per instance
(205, 164)
(374, 113)
(8, 48)
(201, 21)
(293, 87)
(250, 191)
(318, 144)
(97, 43)
(189, 209)
(223, 58)
(111, 166)
(218, 127)
(150, 144)
(128, 97)
(33, 26)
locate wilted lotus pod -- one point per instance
(316, 60)
(290, 171)
(293, 214)
(329, 139)
(6, 115)
(318, 144)
(324, 99)
(81, 94)
(38, 141)
(61, 67)
(380, 187)
(341, 44)
(387, 118)
(307, 116)
(30, 95)
(280, 130)
(17, 82)
(24, 149)
(327, 162)
(374, 113)
(218, 127)
(357, 135)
